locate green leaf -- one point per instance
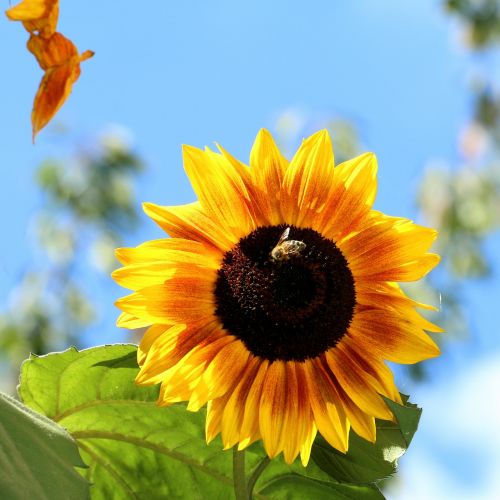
(295, 486)
(366, 462)
(37, 456)
(294, 482)
(133, 448)
(408, 416)
(136, 450)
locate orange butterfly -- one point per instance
(57, 56)
(60, 60)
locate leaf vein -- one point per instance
(79, 435)
(112, 472)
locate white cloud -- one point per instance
(456, 451)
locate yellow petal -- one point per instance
(308, 180)
(387, 296)
(179, 381)
(234, 410)
(391, 337)
(220, 189)
(272, 408)
(38, 16)
(165, 345)
(296, 405)
(374, 371)
(305, 450)
(390, 249)
(329, 415)
(169, 352)
(354, 383)
(150, 272)
(250, 425)
(126, 320)
(170, 250)
(151, 334)
(353, 194)
(267, 170)
(362, 423)
(186, 296)
(220, 375)
(190, 222)
(215, 409)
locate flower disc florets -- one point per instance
(290, 309)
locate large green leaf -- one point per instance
(136, 450)
(295, 486)
(366, 462)
(280, 480)
(37, 456)
(133, 448)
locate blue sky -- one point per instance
(203, 71)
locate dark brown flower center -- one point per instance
(293, 307)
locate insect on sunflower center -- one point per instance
(286, 292)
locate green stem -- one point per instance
(256, 473)
(240, 487)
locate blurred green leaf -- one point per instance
(88, 202)
(37, 457)
(482, 17)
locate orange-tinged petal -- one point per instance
(38, 16)
(151, 334)
(391, 337)
(329, 415)
(361, 423)
(177, 340)
(169, 250)
(267, 170)
(308, 180)
(150, 272)
(250, 425)
(215, 409)
(171, 346)
(59, 57)
(220, 189)
(190, 222)
(306, 429)
(354, 382)
(374, 371)
(351, 198)
(389, 249)
(387, 296)
(296, 405)
(178, 382)
(220, 374)
(272, 408)
(187, 295)
(28, 10)
(234, 410)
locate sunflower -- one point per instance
(275, 301)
